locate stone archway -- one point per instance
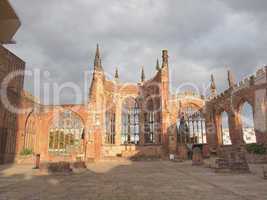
(246, 119)
(110, 123)
(130, 130)
(66, 133)
(223, 128)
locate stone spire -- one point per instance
(116, 74)
(213, 86)
(165, 58)
(97, 62)
(142, 75)
(231, 79)
(157, 65)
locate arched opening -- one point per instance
(130, 122)
(191, 125)
(30, 134)
(247, 120)
(185, 112)
(225, 132)
(110, 119)
(66, 133)
(151, 122)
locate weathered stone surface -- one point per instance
(256, 159)
(264, 172)
(233, 160)
(79, 165)
(182, 152)
(57, 167)
(133, 181)
(197, 158)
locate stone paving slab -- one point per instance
(131, 180)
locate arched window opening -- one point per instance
(185, 112)
(150, 127)
(191, 125)
(247, 121)
(226, 139)
(183, 130)
(30, 133)
(192, 129)
(130, 122)
(66, 133)
(110, 127)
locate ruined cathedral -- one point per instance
(119, 120)
(133, 120)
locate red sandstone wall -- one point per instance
(251, 90)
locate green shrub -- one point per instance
(256, 149)
(26, 152)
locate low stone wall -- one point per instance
(150, 151)
(232, 159)
(256, 159)
(132, 151)
(182, 152)
(62, 167)
(30, 159)
(58, 157)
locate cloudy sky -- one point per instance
(202, 37)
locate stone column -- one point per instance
(172, 139)
(142, 126)
(260, 116)
(211, 129)
(235, 129)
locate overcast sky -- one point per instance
(202, 37)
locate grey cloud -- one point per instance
(202, 37)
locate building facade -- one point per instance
(119, 120)
(251, 91)
(124, 120)
(139, 120)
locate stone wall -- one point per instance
(9, 124)
(252, 90)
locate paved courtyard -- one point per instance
(132, 180)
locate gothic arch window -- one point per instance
(151, 120)
(186, 112)
(150, 127)
(30, 133)
(247, 120)
(191, 125)
(192, 129)
(66, 133)
(224, 126)
(130, 122)
(110, 126)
